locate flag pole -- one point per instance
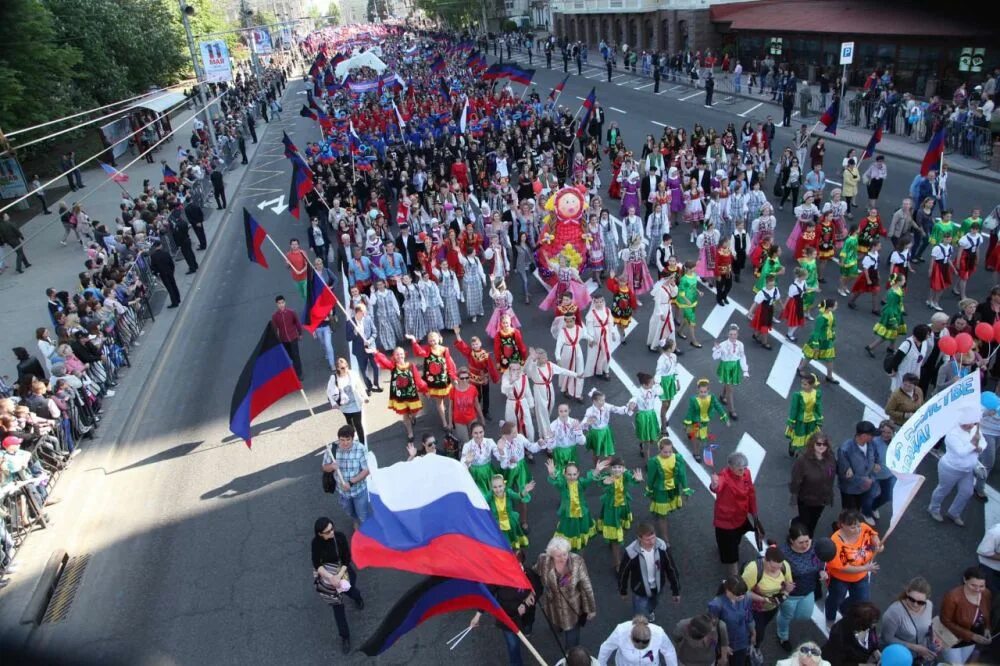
(308, 406)
(531, 648)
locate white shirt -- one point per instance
(626, 654)
(646, 400)
(480, 454)
(650, 557)
(731, 350)
(566, 434)
(961, 451)
(990, 545)
(601, 416)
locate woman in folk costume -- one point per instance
(609, 237)
(794, 312)
(822, 340)
(707, 241)
(942, 265)
(388, 318)
(634, 266)
(482, 370)
(575, 523)
(761, 314)
(701, 406)
(805, 414)
(687, 301)
(836, 208)
(675, 184)
(477, 456)
(666, 483)
(616, 505)
(438, 371)
(868, 281)
(658, 222)
(433, 304)
(694, 212)
(826, 243)
(890, 324)
(568, 281)
(520, 401)
(643, 405)
(503, 306)
(968, 256)
(597, 425)
(542, 373)
(596, 255)
(570, 338)
(501, 500)
(566, 435)
(666, 374)
(617, 164)
(762, 227)
(848, 261)
(732, 369)
(405, 387)
(473, 281)
(451, 294)
(661, 321)
(899, 260)
(756, 200)
(508, 345)
(632, 225)
(770, 266)
(414, 322)
(497, 259)
(869, 230)
(623, 302)
(715, 214)
(603, 336)
(510, 451)
(630, 191)
(804, 212)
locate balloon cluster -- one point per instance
(963, 342)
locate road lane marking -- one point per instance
(648, 85)
(717, 319)
(673, 89)
(657, 122)
(754, 452)
(615, 108)
(694, 94)
(833, 182)
(750, 110)
(784, 370)
(618, 76)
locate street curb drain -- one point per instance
(69, 582)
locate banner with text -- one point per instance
(930, 423)
(262, 40)
(215, 61)
(12, 181)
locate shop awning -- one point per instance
(160, 101)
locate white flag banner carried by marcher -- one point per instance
(935, 418)
(215, 61)
(906, 488)
(464, 119)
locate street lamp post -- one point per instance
(187, 11)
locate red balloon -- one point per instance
(947, 345)
(996, 331)
(984, 331)
(964, 342)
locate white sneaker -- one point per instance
(876, 514)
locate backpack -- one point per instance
(892, 359)
(785, 569)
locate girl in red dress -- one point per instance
(438, 371)
(623, 302)
(794, 311)
(808, 238)
(942, 264)
(405, 386)
(868, 281)
(761, 313)
(826, 242)
(968, 256)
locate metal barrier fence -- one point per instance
(139, 279)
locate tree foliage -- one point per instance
(333, 16)
(454, 13)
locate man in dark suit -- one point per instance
(361, 334)
(740, 247)
(704, 176)
(196, 218)
(252, 125)
(219, 188)
(406, 244)
(648, 186)
(163, 266)
(597, 122)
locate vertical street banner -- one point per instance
(215, 61)
(937, 416)
(286, 37)
(12, 181)
(262, 40)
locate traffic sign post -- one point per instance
(846, 58)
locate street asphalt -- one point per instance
(200, 547)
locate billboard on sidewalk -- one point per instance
(12, 181)
(262, 40)
(215, 61)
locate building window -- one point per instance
(776, 45)
(971, 59)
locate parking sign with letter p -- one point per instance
(846, 53)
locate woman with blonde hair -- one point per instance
(567, 595)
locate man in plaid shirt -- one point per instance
(351, 459)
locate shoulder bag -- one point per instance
(331, 594)
(329, 478)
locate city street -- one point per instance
(200, 548)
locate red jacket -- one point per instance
(286, 325)
(735, 497)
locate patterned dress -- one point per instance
(414, 322)
(805, 416)
(405, 385)
(388, 319)
(575, 523)
(609, 239)
(449, 290)
(507, 518)
(473, 281)
(438, 370)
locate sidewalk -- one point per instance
(58, 266)
(762, 106)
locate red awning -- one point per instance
(848, 17)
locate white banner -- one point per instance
(906, 488)
(215, 61)
(930, 423)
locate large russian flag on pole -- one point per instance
(935, 151)
(429, 517)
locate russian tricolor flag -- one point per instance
(831, 116)
(429, 517)
(169, 175)
(935, 151)
(438, 65)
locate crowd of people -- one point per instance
(437, 219)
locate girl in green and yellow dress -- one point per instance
(770, 266)
(666, 372)
(890, 323)
(805, 414)
(808, 263)
(643, 405)
(501, 501)
(687, 302)
(666, 483)
(616, 505)
(849, 261)
(575, 523)
(701, 407)
(822, 341)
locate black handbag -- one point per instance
(329, 483)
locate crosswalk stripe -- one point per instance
(717, 319)
(784, 369)
(754, 452)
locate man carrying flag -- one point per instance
(588, 107)
(557, 91)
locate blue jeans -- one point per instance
(838, 592)
(863, 502)
(737, 81)
(794, 608)
(513, 647)
(644, 605)
(886, 497)
(356, 507)
(326, 339)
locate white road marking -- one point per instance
(657, 122)
(673, 89)
(833, 182)
(754, 452)
(717, 319)
(277, 205)
(795, 113)
(648, 85)
(750, 110)
(872, 417)
(618, 76)
(615, 108)
(595, 76)
(783, 371)
(695, 94)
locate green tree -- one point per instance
(333, 13)
(36, 69)
(118, 60)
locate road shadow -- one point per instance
(162, 456)
(289, 469)
(280, 423)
